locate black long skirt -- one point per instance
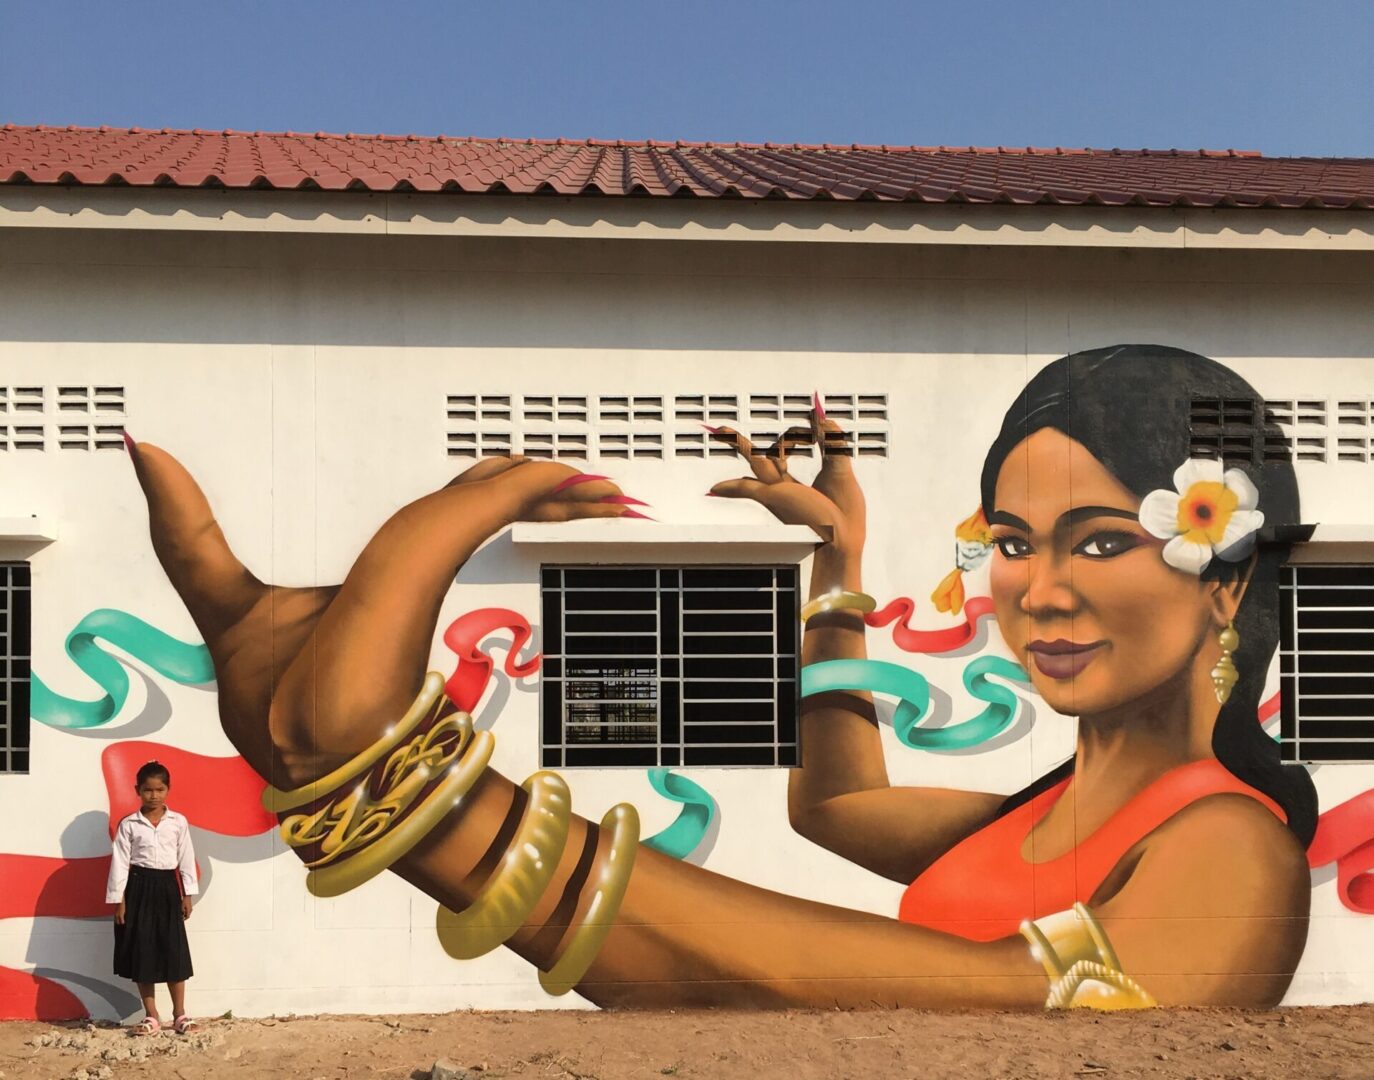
(151, 946)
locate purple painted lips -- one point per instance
(1063, 659)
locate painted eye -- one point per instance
(1107, 545)
(1013, 547)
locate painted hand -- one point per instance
(550, 491)
(309, 677)
(833, 504)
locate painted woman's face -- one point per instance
(1083, 597)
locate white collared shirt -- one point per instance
(164, 846)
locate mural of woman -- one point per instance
(1164, 862)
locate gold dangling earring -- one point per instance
(1224, 675)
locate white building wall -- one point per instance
(303, 382)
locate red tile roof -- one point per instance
(936, 174)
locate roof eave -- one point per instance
(1042, 223)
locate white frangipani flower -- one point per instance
(1209, 512)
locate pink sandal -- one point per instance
(149, 1025)
(182, 1024)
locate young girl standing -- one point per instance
(152, 879)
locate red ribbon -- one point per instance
(930, 641)
(44, 885)
(1269, 709)
(1345, 836)
(24, 996)
(469, 679)
(218, 794)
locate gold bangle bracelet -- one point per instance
(838, 600)
(277, 801)
(1114, 990)
(590, 934)
(1073, 949)
(409, 780)
(511, 893)
(350, 837)
(392, 843)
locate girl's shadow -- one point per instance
(77, 952)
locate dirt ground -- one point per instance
(1325, 1043)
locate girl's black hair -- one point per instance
(1129, 406)
(153, 769)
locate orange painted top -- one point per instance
(983, 887)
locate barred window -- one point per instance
(14, 667)
(1326, 657)
(687, 665)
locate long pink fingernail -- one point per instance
(579, 478)
(816, 403)
(623, 500)
(712, 495)
(636, 514)
(712, 430)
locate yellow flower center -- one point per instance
(1204, 511)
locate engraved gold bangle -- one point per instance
(350, 837)
(838, 600)
(388, 846)
(590, 934)
(403, 785)
(511, 893)
(276, 801)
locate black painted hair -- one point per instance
(1129, 407)
(153, 770)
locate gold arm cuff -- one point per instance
(1042, 950)
(838, 601)
(278, 801)
(511, 893)
(1098, 936)
(398, 789)
(1089, 985)
(1074, 950)
(371, 860)
(623, 821)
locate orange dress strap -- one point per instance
(983, 887)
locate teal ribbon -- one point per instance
(179, 661)
(913, 694)
(685, 834)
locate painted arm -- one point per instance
(683, 934)
(841, 797)
(1212, 907)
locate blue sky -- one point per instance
(1281, 77)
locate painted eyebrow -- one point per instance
(1001, 517)
(1083, 513)
(1066, 520)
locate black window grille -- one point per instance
(1326, 658)
(688, 665)
(14, 667)
(1229, 429)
